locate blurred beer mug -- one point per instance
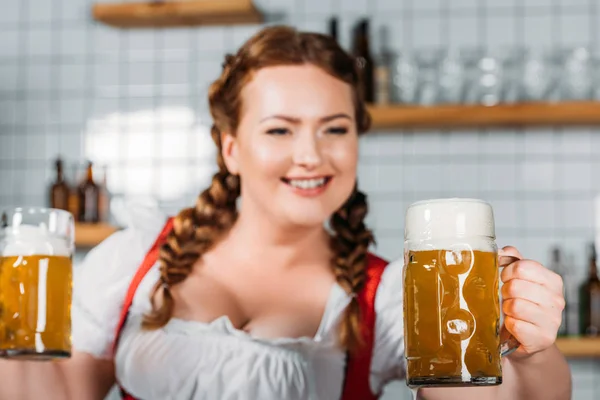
(36, 249)
(451, 296)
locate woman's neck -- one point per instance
(253, 235)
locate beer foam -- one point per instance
(28, 240)
(437, 224)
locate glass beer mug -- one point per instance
(451, 295)
(36, 249)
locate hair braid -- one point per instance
(350, 244)
(195, 231)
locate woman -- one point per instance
(260, 301)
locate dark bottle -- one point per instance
(557, 265)
(89, 197)
(589, 299)
(364, 61)
(333, 28)
(59, 191)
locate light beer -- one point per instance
(451, 309)
(35, 306)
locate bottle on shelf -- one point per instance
(383, 70)
(364, 61)
(89, 197)
(59, 191)
(589, 298)
(104, 199)
(558, 265)
(333, 28)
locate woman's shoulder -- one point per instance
(101, 280)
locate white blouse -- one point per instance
(196, 360)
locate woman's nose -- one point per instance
(307, 151)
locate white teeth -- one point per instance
(307, 183)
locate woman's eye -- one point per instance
(278, 131)
(340, 130)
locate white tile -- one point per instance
(460, 179)
(52, 145)
(73, 77)
(535, 248)
(177, 39)
(139, 146)
(141, 40)
(107, 39)
(539, 30)
(7, 148)
(41, 12)
(37, 111)
(383, 6)
(11, 12)
(427, 4)
(426, 33)
(505, 213)
(536, 175)
(210, 38)
(462, 143)
(368, 146)
(39, 42)
(576, 141)
(74, 41)
(465, 4)
(36, 147)
(319, 7)
(538, 3)
(355, 6)
(499, 142)
(140, 74)
(72, 111)
(368, 178)
(286, 7)
(426, 143)
(578, 213)
(575, 30)
(175, 73)
(174, 144)
(106, 74)
(389, 247)
(423, 178)
(539, 141)
(575, 176)
(539, 213)
(10, 75)
(36, 185)
(8, 111)
(501, 31)
(173, 181)
(389, 214)
(10, 45)
(74, 10)
(390, 178)
(464, 31)
(390, 144)
(139, 180)
(72, 145)
(595, 145)
(39, 77)
(499, 177)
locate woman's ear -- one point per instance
(229, 152)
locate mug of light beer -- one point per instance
(36, 249)
(451, 295)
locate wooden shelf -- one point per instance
(579, 347)
(90, 235)
(177, 13)
(467, 116)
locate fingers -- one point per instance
(533, 292)
(530, 336)
(524, 310)
(533, 271)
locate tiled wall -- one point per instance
(136, 102)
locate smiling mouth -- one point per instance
(307, 184)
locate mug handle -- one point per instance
(508, 343)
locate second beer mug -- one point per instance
(36, 248)
(451, 295)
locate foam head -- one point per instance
(449, 218)
(28, 240)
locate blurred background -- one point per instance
(124, 112)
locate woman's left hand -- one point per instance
(533, 302)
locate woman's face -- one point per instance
(296, 147)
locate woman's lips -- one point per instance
(308, 187)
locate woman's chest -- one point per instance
(191, 360)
